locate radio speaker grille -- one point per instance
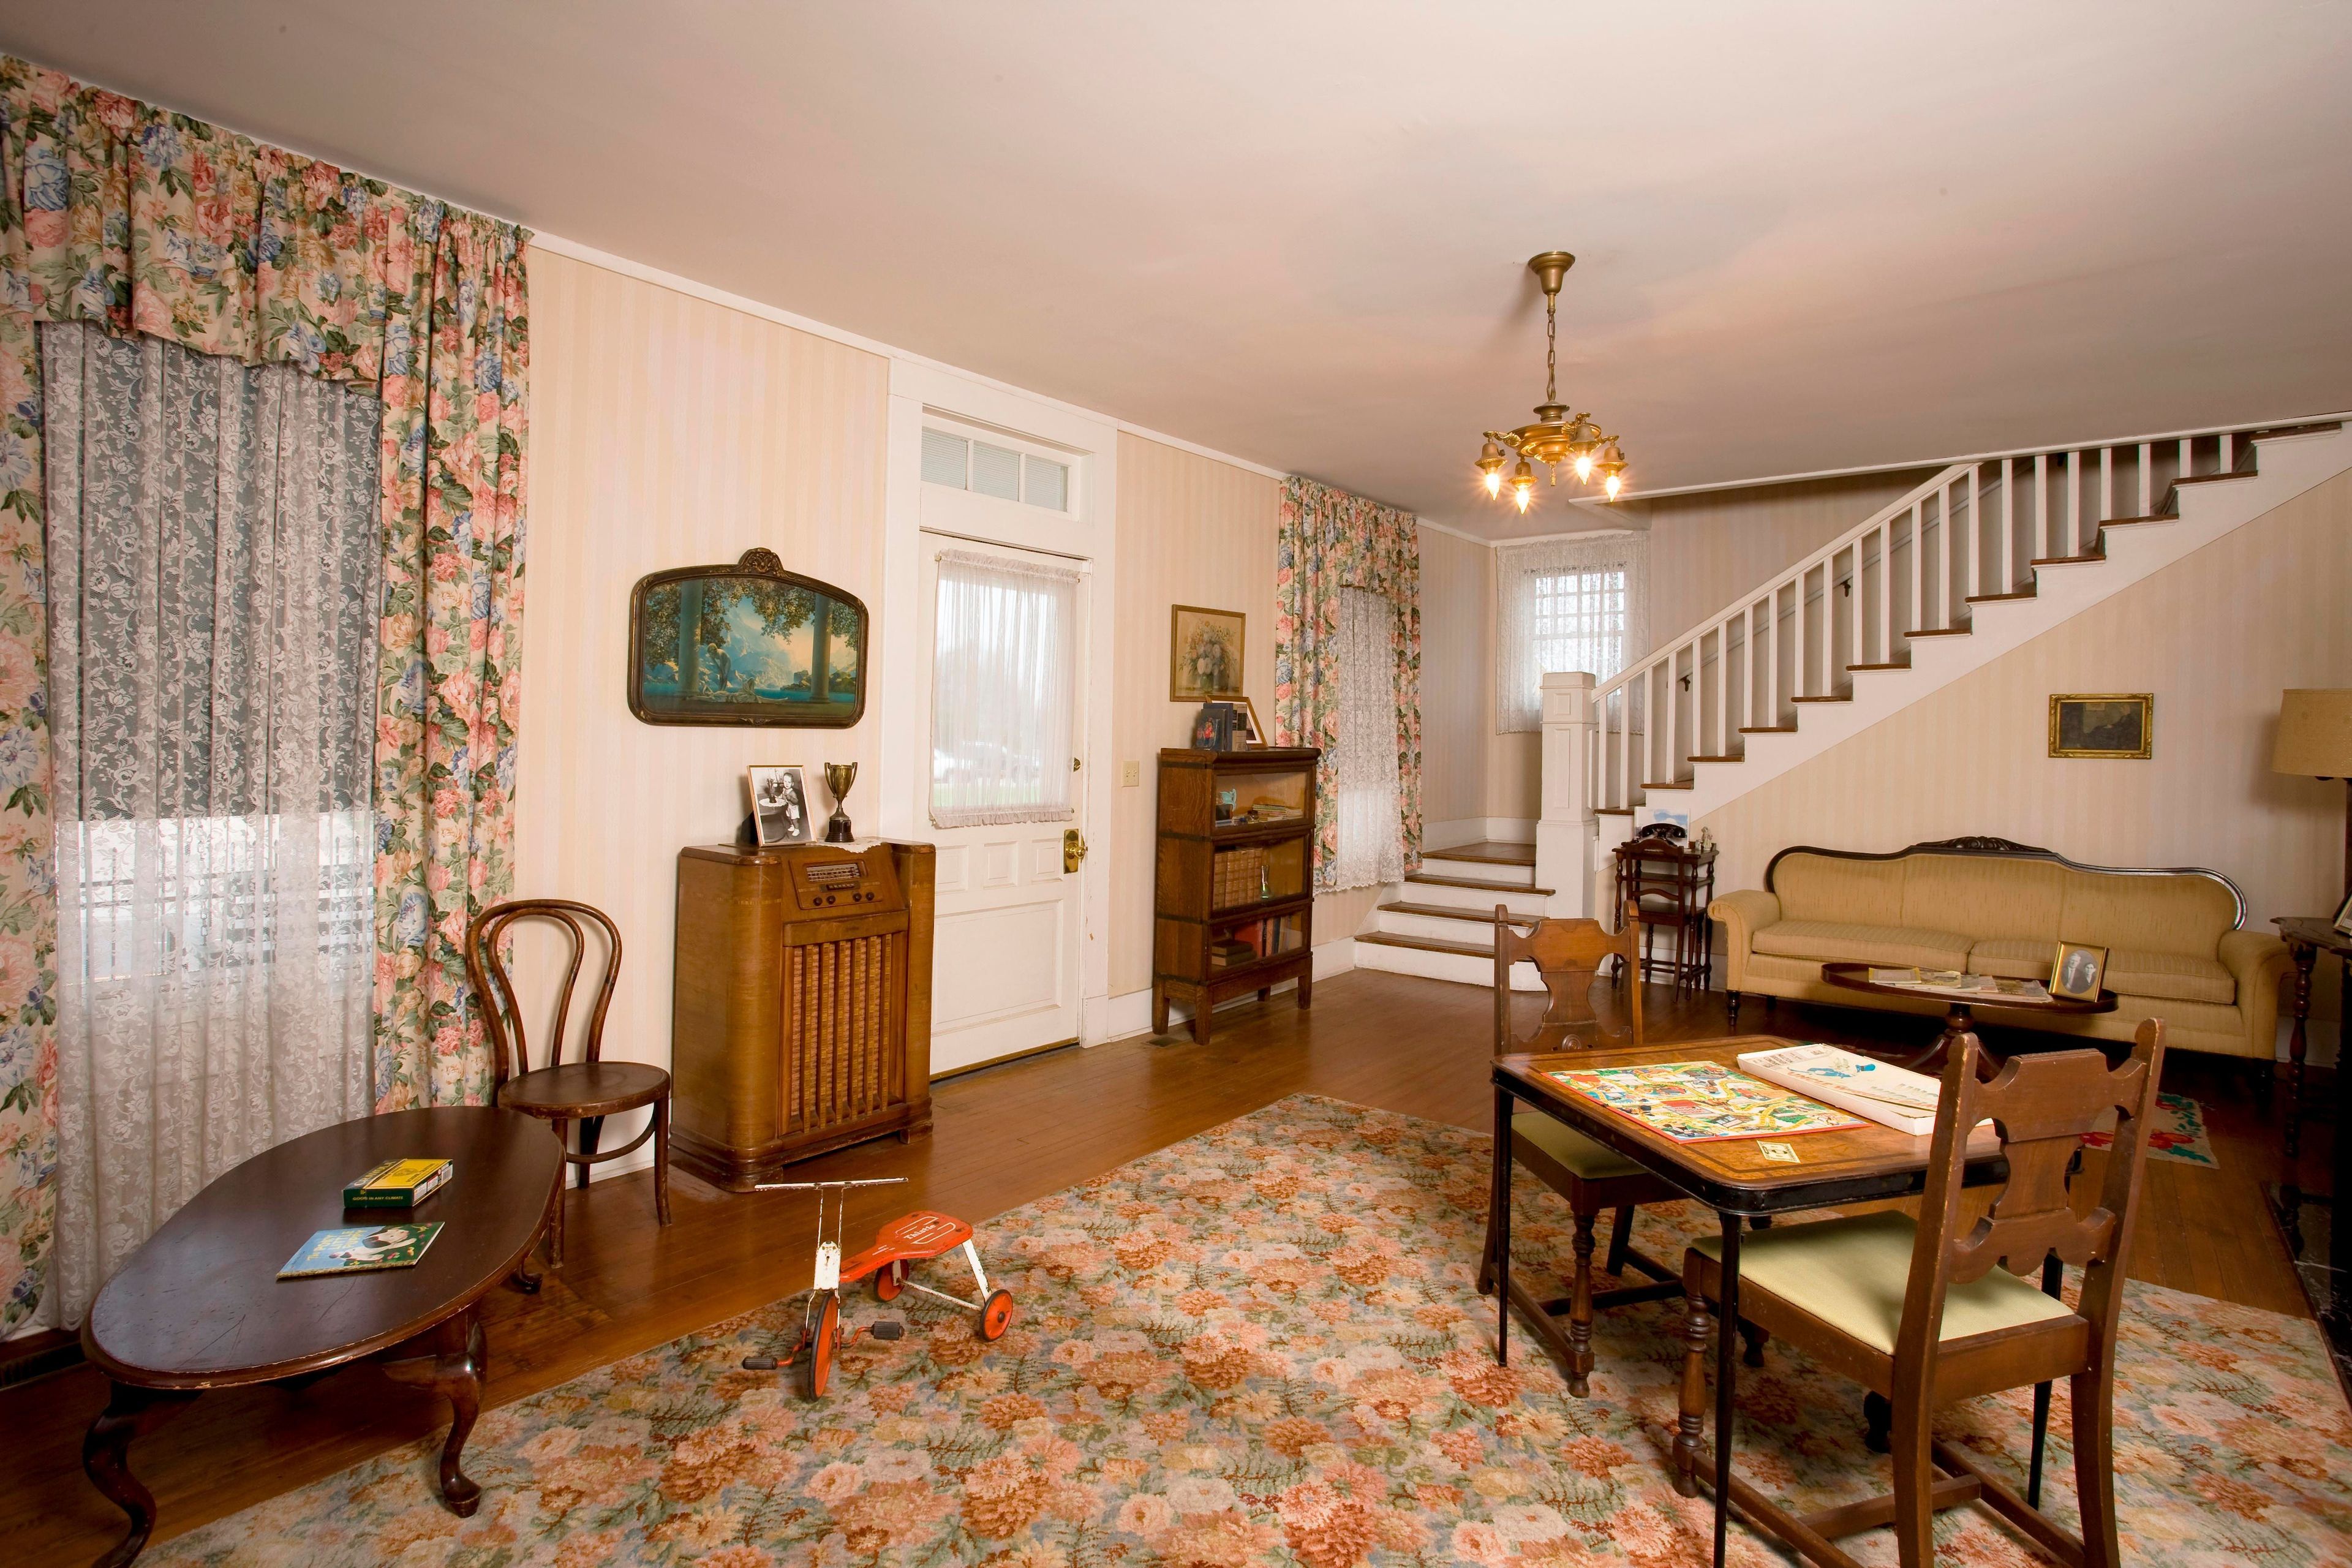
(844, 1056)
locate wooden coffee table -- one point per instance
(1957, 1018)
(200, 1304)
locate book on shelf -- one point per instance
(1890, 1096)
(397, 1184)
(361, 1249)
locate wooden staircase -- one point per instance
(1443, 926)
(1983, 556)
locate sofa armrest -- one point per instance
(2258, 961)
(1741, 915)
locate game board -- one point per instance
(1699, 1102)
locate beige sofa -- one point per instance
(2175, 946)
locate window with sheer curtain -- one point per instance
(214, 560)
(1004, 679)
(1565, 604)
(1370, 804)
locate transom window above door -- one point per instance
(996, 466)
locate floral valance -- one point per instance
(1328, 541)
(120, 213)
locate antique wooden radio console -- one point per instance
(801, 1018)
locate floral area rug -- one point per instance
(1264, 1345)
(2176, 1131)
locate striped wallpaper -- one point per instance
(668, 431)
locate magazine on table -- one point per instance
(1890, 1096)
(1991, 989)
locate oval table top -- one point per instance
(200, 1304)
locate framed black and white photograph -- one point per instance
(2076, 971)
(779, 811)
(2109, 725)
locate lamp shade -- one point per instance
(2315, 734)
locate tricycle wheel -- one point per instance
(886, 1283)
(816, 1366)
(997, 1314)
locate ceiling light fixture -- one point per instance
(1555, 436)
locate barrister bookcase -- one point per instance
(1234, 890)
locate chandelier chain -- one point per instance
(1551, 348)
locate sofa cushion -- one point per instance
(1831, 888)
(2184, 915)
(1984, 895)
(2014, 957)
(2169, 977)
(1854, 943)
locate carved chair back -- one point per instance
(1568, 955)
(2041, 1105)
(485, 965)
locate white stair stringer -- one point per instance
(2287, 465)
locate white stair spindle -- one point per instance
(2187, 458)
(1773, 658)
(1919, 565)
(1859, 653)
(2041, 531)
(1803, 654)
(1887, 588)
(2229, 452)
(2147, 479)
(2074, 504)
(1748, 670)
(2005, 568)
(2106, 484)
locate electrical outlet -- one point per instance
(1130, 774)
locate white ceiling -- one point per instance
(1812, 235)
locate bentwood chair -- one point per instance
(1924, 1314)
(561, 1092)
(1568, 956)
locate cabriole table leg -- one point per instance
(130, 1411)
(453, 1364)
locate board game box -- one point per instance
(1700, 1102)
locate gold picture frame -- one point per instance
(1253, 733)
(2103, 724)
(1204, 654)
(2077, 970)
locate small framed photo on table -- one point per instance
(1247, 728)
(2344, 917)
(2076, 972)
(780, 813)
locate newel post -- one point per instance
(1565, 832)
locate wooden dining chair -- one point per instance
(1922, 1315)
(561, 1092)
(1568, 955)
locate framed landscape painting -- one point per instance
(746, 644)
(1204, 654)
(2110, 724)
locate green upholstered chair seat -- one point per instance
(1569, 1148)
(1851, 1274)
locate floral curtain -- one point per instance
(1329, 541)
(143, 221)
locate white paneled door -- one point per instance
(1004, 661)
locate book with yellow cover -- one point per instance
(397, 1184)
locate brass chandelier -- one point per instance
(1557, 437)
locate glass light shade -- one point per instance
(1584, 466)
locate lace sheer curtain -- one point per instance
(1004, 673)
(1371, 807)
(212, 581)
(1565, 604)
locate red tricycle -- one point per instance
(904, 1242)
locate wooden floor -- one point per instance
(1003, 1136)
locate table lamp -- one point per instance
(2315, 739)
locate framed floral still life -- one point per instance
(746, 644)
(2111, 724)
(1204, 654)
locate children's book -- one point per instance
(358, 1248)
(1890, 1096)
(1700, 1102)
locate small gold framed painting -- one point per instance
(1204, 654)
(2109, 724)
(2076, 971)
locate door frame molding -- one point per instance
(1091, 534)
